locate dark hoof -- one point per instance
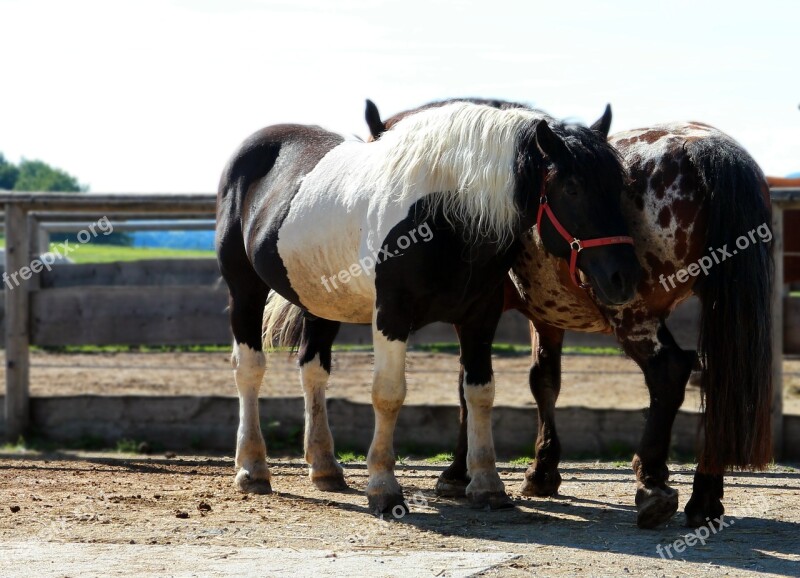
(451, 488)
(393, 504)
(250, 486)
(703, 512)
(655, 506)
(541, 485)
(334, 483)
(491, 500)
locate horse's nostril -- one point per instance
(618, 281)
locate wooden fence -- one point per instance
(179, 302)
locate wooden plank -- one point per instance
(165, 272)
(17, 402)
(778, 292)
(176, 315)
(102, 203)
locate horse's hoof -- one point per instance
(334, 483)
(541, 485)
(655, 506)
(491, 500)
(451, 488)
(249, 485)
(699, 513)
(393, 504)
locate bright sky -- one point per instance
(153, 96)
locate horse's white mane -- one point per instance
(465, 153)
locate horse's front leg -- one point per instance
(666, 370)
(314, 359)
(388, 393)
(485, 487)
(542, 477)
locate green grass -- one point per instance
(94, 253)
(91, 349)
(440, 458)
(346, 457)
(126, 446)
(90, 253)
(521, 461)
(17, 447)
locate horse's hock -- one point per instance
(182, 302)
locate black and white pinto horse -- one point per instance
(697, 206)
(420, 226)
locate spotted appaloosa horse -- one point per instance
(330, 226)
(697, 207)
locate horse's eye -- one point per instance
(572, 191)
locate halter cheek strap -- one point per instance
(575, 244)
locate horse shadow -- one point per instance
(748, 543)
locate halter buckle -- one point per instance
(576, 245)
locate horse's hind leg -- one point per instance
(666, 370)
(705, 506)
(247, 307)
(542, 477)
(314, 358)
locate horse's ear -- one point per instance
(549, 144)
(374, 122)
(603, 124)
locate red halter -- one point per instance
(575, 244)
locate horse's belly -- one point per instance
(320, 251)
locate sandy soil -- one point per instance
(105, 514)
(590, 381)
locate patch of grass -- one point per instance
(348, 457)
(17, 447)
(99, 349)
(620, 464)
(521, 461)
(91, 253)
(126, 446)
(440, 458)
(582, 350)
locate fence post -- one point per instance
(17, 323)
(778, 295)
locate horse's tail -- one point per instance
(282, 323)
(735, 327)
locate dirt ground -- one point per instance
(72, 514)
(588, 380)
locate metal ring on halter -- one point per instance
(543, 200)
(575, 245)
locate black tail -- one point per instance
(735, 330)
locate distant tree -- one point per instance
(39, 176)
(8, 174)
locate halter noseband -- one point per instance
(575, 244)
